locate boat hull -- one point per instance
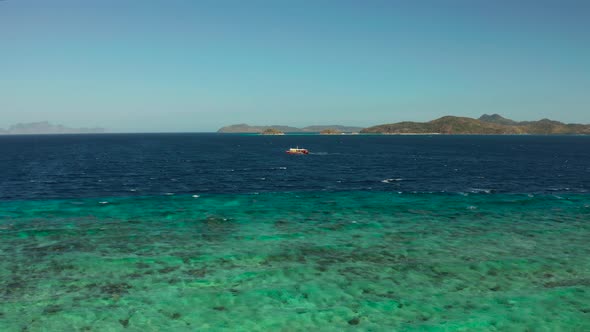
(298, 151)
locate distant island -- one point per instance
(247, 129)
(330, 132)
(272, 131)
(486, 124)
(46, 128)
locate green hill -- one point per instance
(498, 119)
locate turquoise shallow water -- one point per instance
(297, 261)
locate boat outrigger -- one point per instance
(297, 150)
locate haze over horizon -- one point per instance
(138, 66)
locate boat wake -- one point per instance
(323, 153)
(392, 180)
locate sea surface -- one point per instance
(212, 232)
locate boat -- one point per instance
(297, 150)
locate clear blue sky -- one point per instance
(197, 65)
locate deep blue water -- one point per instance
(68, 166)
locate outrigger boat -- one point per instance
(297, 150)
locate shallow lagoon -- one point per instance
(297, 261)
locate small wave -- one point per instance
(559, 189)
(196, 196)
(168, 194)
(482, 191)
(103, 202)
(392, 180)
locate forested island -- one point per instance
(486, 124)
(272, 131)
(330, 132)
